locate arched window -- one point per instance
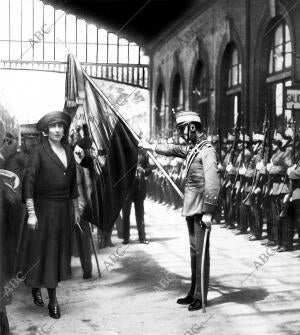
(176, 101)
(281, 50)
(200, 92)
(279, 74)
(231, 87)
(235, 69)
(160, 111)
(234, 83)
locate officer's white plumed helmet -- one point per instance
(187, 117)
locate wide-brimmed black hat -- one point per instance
(51, 118)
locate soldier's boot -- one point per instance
(274, 234)
(243, 218)
(100, 239)
(287, 234)
(259, 222)
(108, 241)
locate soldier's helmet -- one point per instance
(213, 138)
(257, 137)
(185, 117)
(289, 134)
(230, 137)
(277, 137)
(245, 138)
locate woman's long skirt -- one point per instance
(47, 250)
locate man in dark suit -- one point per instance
(202, 184)
(137, 195)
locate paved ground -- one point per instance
(252, 290)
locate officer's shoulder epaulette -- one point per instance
(204, 144)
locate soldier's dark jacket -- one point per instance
(202, 182)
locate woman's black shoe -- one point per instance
(54, 311)
(186, 300)
(37, 297)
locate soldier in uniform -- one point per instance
(286, 226)
(137, 195)
(294, 175)
(201, 190)
(252, 208)
(275, 189)
(236, 172)
(226, 153)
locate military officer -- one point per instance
(201, 190)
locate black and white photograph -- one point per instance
(149, 167)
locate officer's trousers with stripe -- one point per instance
(196, 235)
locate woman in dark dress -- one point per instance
(50, 190)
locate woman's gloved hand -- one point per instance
(32, 222)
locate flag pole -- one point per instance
(150, 154)
(94, 249)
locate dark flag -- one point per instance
(113, 147)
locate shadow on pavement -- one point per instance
(238, 295)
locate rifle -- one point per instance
(235, 144)
(242, 163)
(288, 198)
(220, 144)
(231, 157)
(267, 158)
(257, 177)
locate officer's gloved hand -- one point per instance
(147, 146)
(206, 220)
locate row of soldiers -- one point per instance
(261, 180)
(158, 188)
(260, 184)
